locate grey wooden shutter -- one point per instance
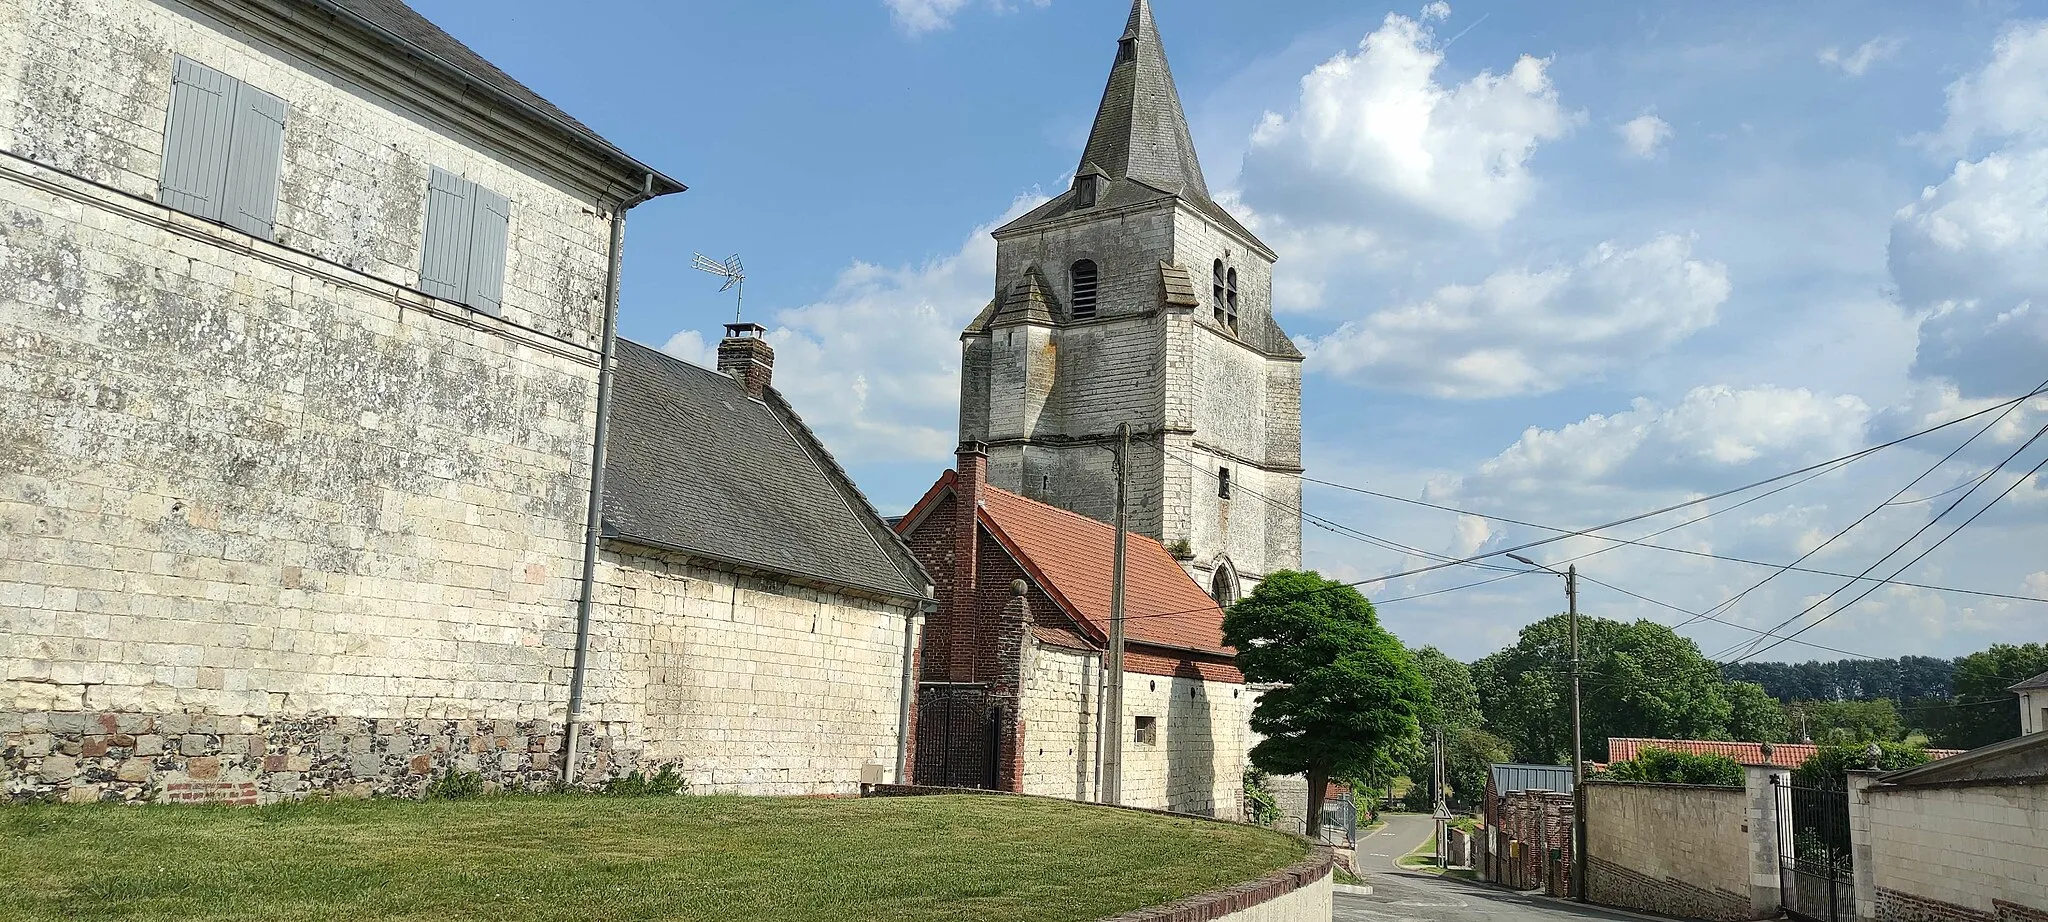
(198, 132)
(251, 205)
(487, 250)
(444, 254)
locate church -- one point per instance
(1131, 299)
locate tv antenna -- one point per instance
(734, 274)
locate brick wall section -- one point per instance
(1531, 834)
(267, 483)
(1677, 850)
(1979, 849)
(1297, 893)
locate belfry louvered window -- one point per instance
(1085, 286)
(463, 256)
(1230, 300)
(223, 142)
(1217, 293)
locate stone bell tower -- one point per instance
(1133, 297)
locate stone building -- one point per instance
(1011, 664)
(2033, 704)
(302, 314)
(1133, 297)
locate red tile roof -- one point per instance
(1789, 755)
(1072, 555)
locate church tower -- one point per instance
(1133, 297)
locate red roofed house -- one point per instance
(1010, 666)
(1790, 755)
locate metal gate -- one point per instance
(959, 737)
(1815, 867)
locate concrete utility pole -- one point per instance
(1571, 594)
(1443, 810)
(1113, 704)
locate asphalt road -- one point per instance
(1401, 896)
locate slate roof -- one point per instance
(1789, 755)
(695, 465)
(1509, 777)
(409, 32)
(2037, 682)
(1140, 143)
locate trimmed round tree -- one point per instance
(1342, 693)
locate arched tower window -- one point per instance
(1083, 284)
(1230, 301)
(1223, 584)
(1217, 292)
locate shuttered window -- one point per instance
(462, 257)
(1084, 283)
(223, 142)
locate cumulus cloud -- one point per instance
(2008, 98)
(1644, 135)
(1857, 62)
(874, 365)
(1373, 130)
(1533, 331)
(1716, 427)
(1972, 253)
(2037, 583)
(917, 17)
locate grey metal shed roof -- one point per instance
(695, 465)
(2039, 681)
(1510, 777)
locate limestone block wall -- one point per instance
(1958, 854)
(1197, 763)
(749, 685)
(1059, 708)
(1678, 850)
(262, 498)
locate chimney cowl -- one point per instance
(745, 355)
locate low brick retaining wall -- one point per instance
(1300, 892)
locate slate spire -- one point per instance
(1140, 131)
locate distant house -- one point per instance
(2033, 704)
(1011, 668)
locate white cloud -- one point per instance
(917, 17)
(1533, 331)
(874, 366)
(692, 347)
(1644, 135)
(1712, 427)
(2008, 98)
(1856, 63)
(1374, 130)
(2037, 583)
(1436, 10)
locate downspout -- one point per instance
(594, 514)
(911, 623)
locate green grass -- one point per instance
(667, 858)
(1424, 856)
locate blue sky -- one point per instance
(1561, 263)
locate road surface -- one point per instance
(1401, 896)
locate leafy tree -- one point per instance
(1984, 712)
(1850, 679)
(1453, 701)
(1641, 680)
(1830, 765)
(1345, 694)
(1754, 716)
(1663, 766)
(1469, 754)
(1843, 722)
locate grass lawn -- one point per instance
(668, 858)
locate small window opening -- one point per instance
(1223, 482)
(1083, 289)
(1216, 292)
(1127, 50)
(1191, 692)
(1084, 192)
(1147, 731)
(1045, 484)
(1230, 301)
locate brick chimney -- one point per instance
(744, 354)
(963, 601)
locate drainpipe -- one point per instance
(910, 635)
(594, 514)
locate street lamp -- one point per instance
(1571, 593)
